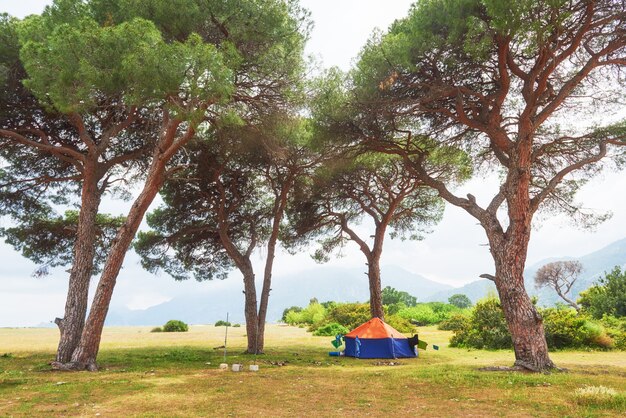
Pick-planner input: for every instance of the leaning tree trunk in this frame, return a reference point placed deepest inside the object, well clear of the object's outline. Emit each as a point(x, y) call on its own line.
point(269, 264)
point(84, 356)
point(376, 297)
point(73, 321)
point(250, 310)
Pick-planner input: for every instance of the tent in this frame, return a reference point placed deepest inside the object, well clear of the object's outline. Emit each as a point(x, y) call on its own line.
point(376, 339)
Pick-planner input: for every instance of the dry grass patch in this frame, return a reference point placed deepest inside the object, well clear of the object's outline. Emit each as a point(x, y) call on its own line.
point(156, 374)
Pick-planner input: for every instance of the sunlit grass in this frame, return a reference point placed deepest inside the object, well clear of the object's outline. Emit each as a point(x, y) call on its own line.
point(176, 374)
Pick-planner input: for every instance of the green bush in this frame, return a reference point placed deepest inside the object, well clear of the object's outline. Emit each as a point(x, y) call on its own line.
point(456, 321)
point(486, 328)
point(608, 297)
point(221, 323)
point(237, 326)
point(287, 310)
point(399, 323)
point(616, 329)
point(156, 329)
point(428, 313)
point(331, 329)
point(565, 328)
point(175, 325)
point(350, 315)
point(312, 314)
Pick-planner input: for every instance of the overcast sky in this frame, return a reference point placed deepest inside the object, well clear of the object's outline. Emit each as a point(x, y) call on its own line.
point(454, 253)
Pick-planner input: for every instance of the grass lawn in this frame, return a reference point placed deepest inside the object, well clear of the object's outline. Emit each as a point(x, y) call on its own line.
point(176, 374)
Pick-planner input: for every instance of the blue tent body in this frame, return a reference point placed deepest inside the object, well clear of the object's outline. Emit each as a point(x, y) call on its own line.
point(376, 339)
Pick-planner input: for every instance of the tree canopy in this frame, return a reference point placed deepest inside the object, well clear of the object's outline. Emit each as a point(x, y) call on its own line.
point(519, 86)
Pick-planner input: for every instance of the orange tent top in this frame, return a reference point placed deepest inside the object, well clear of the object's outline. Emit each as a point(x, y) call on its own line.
point(375, 328)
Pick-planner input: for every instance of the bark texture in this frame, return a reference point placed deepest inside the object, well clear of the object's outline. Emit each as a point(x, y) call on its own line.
point(376, 297)
point(71, 325)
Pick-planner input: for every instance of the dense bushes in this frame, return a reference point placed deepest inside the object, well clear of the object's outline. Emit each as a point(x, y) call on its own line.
point(564, 328)
point(607, 297)
point(485, 328)
point(350, 315)
point(482, 326)
point(428, 313)
point(331, 329)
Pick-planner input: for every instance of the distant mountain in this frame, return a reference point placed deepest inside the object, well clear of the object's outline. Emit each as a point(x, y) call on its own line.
point(323, 283)
point(475, 290)
point(594, 264)
point(342, 285)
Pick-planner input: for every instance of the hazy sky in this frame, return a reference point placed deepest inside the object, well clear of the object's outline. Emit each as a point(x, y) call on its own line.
point(454, 253)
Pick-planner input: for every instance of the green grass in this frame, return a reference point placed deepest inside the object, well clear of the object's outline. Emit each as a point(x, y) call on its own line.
point(162, 374)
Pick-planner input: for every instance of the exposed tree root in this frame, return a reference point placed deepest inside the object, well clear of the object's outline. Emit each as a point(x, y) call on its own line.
point(521, 366)
point(74, 366)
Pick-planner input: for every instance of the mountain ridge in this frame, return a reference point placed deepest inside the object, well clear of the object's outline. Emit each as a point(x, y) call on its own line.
point(346, 285)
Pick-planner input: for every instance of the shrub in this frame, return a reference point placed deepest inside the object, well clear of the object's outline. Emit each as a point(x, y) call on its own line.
point(565, 328)
point(394, 308)
point(156, 329)
point(331, 329)
point(456, 321)
point(287, 310)
point(350, 315)
point(608, 297)
point(428, 313)
point(486, 328)
point(616, 329)
point(312, 314)
point(175, 325)
point(237, 326)
point(399, 323)
point(221, 323)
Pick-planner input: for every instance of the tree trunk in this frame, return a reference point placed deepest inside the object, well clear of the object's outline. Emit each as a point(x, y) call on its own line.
point(250, 310)
point(524, 322)
point(376, 297)
point(84, 356)
point(71, 325)
point(279, 211)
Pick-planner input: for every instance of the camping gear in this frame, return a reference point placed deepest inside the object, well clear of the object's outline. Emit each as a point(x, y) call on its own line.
point(376, 339)
point(334, 353)
point(337, 341)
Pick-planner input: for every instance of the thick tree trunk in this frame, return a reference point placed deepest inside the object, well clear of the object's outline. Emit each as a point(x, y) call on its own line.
point(376, 297)
point(524, 322)
point(84, 356)
point(250, 310)
point(71, 325)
